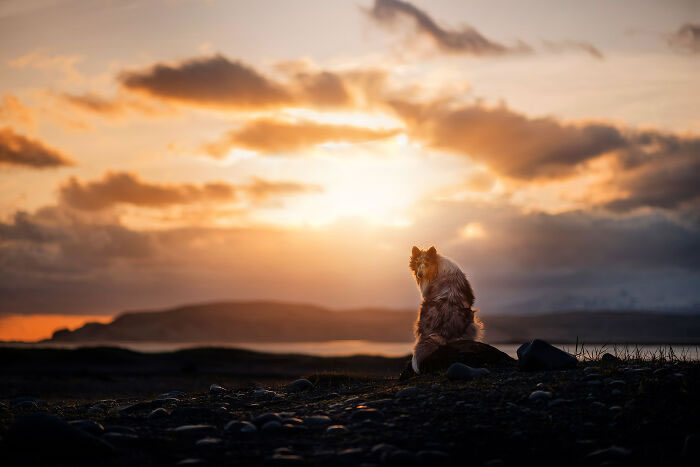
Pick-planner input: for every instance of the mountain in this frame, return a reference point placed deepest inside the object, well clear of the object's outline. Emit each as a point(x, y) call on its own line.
point(284, 322)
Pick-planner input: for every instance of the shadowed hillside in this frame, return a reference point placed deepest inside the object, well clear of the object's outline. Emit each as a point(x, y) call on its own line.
point(283, 322)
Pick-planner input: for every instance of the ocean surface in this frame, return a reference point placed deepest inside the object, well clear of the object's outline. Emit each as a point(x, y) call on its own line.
point(388, 349)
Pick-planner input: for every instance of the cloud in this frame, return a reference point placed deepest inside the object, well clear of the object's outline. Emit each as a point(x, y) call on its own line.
point(127, 188)
point(42, 61)
point(116, 188)
point(19, 150)
point(112, 107)
point(508, 142)
point(465, 40)
point(566, 45)
point(211, 81)
point(687, 38)
point(274, 136)
point(14, 112)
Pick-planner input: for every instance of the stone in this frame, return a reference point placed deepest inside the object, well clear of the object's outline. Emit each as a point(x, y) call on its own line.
point(540, 355)
point(133, 408)
point(267, 417)
point(462, 372)
point(171, 395)
point(192, 461)
point(89, 426)
point(119, 429)
point(300, 385)
point(367, 414)
point(264, 393)
point(47, 436)
point(208, 442)
point(337, 430)
point(216, 389)
point(160, 412)
point(472, 353)
point(284, 460)
point(540, 395)
point(407, 392)
point(235, 426)
point(609, 358)
point(612, 453)
point(191, 431)
point(121, 439)
point(691, 449)
point(318, 420)
point(271, 427)
point(399, 458)
point(192, 413)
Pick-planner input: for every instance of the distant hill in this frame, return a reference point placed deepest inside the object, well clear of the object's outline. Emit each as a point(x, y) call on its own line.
point(283, 322)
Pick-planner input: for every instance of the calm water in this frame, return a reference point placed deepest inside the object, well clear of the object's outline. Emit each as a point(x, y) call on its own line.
point(389, 349)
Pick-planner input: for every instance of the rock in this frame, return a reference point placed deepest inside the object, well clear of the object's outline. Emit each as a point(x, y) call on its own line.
point(367, 414)
point(617, 383)
point(399, 458)
point(121, 439)
point(192, 413)
point(432, 457)
point(540, 355)
point(691, 449)
point(318, 420)
point(472, 353)
point(462, 372)
point(119, 429)
point(46, 436)
point(171, 395)
point(609, 358)
point(558, 402)
point(613, 453)
point(27, 402)
point(235, 426)
point(337, 430)
point(216, 389)
point(208, 442)
point(133, 408)
point(589, 369)
point(264, 394)
point(89, 426)
point(300, 385)
point(192, 461)
point(407, 392)
point(271, 427)
point(284, 460)
point(267, 417)
point(540, 396)
point(191, 431)
point(160, 412)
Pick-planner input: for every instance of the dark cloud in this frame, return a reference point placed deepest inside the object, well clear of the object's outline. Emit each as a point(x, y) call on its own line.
point(212, 81)
point(465, 40)
point(268, 136)
point(566, 45)
point(16, 149)
point(323, 89)
point(508, 142)
point(94, 103)
point(687, 38)
point(127, 188)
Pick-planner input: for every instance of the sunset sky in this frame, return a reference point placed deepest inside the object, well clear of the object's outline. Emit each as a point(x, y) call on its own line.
point(154, 153)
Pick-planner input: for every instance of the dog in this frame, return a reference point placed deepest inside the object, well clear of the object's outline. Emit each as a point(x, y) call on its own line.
point(446, 313)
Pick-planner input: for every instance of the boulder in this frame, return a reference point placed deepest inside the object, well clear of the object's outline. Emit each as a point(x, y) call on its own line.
point(471, 353)
point(541, 355)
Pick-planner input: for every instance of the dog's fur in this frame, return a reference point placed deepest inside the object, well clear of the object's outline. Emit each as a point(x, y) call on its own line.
point(446, 313)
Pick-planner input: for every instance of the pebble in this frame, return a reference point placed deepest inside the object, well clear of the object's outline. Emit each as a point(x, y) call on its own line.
point(194, 430)
point(264, 393)
point(462, 372)
point(351, 454)
point(160, 412)
point(318, 420)
point(407, 392)
point(192, 461)
point(609, 454)
point(300, 385)
point(591, 369)
point(271, 427)
point(284, 460)
point(216, 389)
point(540, 395)
point(89, 426)
point(208, 442)
point(267, 417)
point(337, 430)
point(120, 439)
point(119, 429)
point(367, 414)
point(558, 402)
point(171, 395)
point(55, 437)
point(235, 426)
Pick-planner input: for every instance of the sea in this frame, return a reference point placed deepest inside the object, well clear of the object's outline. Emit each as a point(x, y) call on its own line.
point(338, 348)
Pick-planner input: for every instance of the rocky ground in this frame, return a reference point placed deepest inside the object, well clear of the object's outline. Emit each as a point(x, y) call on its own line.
point(607, 412)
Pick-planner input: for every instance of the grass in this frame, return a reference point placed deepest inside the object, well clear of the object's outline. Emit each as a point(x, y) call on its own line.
point(632, 353)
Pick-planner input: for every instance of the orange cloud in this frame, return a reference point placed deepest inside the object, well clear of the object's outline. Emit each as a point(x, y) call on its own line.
point(13, 111)
point(16, 149)
point(268, 136)
point(127, 188)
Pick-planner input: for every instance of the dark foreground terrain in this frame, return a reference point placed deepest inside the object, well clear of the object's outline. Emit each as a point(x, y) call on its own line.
point(133, 409)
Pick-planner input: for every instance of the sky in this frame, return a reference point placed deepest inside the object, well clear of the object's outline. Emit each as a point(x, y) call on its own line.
point(160, 152)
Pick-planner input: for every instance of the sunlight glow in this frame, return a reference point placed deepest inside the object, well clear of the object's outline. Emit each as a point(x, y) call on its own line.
point(472, 230)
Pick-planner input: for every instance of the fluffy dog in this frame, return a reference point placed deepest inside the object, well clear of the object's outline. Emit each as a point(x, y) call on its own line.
point(446, 313)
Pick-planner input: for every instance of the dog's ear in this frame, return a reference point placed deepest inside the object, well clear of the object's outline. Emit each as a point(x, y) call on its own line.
point(432, 252)
point(415, 252)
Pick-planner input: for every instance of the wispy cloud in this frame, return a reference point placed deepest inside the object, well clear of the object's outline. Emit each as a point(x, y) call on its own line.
point(274, 136)
point(18, 150)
